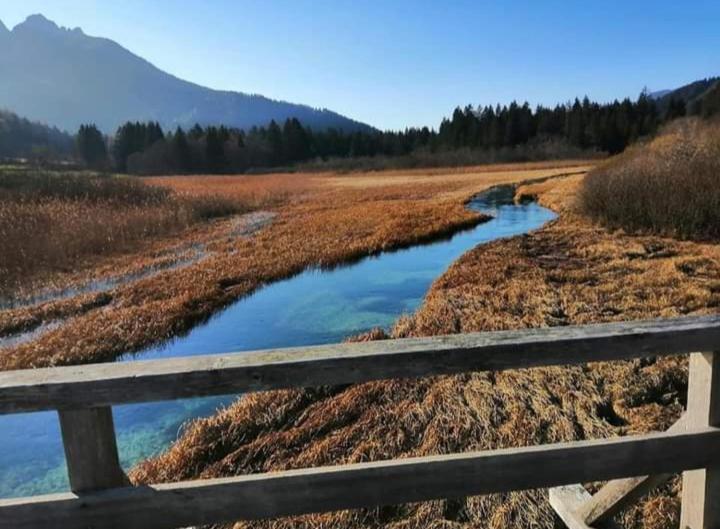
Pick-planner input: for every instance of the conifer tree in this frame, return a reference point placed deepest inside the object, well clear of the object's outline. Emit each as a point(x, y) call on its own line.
point(295, 141)
point(180, 151)
point(214, 150)
point(275, 142)
point(91, 146)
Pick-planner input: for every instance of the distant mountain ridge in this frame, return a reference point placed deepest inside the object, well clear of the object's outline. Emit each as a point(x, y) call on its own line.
point(20, 138)
point(691, 94)
point(65, 78)
point(658, 94)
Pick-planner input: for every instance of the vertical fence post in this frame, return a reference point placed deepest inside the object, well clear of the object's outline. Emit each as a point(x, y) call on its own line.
point(90, 449)
point(701, 488)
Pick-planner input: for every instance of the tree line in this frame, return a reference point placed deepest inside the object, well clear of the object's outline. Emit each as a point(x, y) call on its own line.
point(21, 138)
point(601, 127)
point(144, 148)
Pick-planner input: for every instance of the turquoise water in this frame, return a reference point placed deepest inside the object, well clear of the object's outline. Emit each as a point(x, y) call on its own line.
point(314, 307)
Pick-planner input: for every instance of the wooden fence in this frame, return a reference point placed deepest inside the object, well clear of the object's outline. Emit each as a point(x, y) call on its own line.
point(101, 496)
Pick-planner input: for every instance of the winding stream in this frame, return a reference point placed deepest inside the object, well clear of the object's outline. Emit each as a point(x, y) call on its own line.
point(314, 307)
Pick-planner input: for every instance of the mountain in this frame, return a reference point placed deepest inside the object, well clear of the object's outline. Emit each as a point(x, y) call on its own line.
point(20, 138)
point(65, 78)
point(692, 94)
point(658, 94)
point(709, 102)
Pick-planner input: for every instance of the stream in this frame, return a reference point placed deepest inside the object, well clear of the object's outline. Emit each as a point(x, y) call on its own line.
point(314, 307)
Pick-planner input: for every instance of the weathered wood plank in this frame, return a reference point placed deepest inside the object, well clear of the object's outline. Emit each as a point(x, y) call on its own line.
point(91, 450)
point(566, 500)
point(701, 488)
point(124, 382)
point(363, 485)
point(618, 494)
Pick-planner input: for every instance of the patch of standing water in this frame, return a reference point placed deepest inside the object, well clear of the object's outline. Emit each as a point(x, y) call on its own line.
point(17, 339)
point(106, 284)
point(243, 226)
point(313, 307)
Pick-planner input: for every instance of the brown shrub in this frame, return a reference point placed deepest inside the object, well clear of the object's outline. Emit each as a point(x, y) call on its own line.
point(671, 186)
point(54, 221)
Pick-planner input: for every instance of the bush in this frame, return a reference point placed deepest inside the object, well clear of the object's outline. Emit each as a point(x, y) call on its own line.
point(669, 186)
point(57, 222)
point(33, 185)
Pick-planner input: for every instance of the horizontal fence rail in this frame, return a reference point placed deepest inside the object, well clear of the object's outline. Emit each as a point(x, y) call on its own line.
point(102, 498)
point(353, 486)
point(152, 380)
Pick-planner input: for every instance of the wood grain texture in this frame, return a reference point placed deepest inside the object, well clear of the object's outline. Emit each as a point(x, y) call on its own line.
point(566, 500)
point(108, 384)
point(91, 450)
point(701, 488)
point(615, 495)
point(363, 485)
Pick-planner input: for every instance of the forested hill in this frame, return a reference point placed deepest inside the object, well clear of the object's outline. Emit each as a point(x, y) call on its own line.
point(66, 78)
point(511, 131)
point(20, 138)
point(693, 96)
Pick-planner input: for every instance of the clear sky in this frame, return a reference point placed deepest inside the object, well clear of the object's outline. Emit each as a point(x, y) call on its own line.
point(408, 62)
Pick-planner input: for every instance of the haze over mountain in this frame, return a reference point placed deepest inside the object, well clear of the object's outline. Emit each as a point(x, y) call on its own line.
point(689, 93)
point(658, 94)
point(20, 138)
point(65, 78)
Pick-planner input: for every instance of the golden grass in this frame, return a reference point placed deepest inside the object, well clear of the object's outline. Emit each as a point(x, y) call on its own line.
point(671, 186)
point(253, 191)
point(318, 224)
point(63, 224)
point(55, 234)
point(57, 243)
point(491, 174)
point(569, 272)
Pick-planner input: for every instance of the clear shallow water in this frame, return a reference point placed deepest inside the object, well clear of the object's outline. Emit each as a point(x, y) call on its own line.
point(314, 307)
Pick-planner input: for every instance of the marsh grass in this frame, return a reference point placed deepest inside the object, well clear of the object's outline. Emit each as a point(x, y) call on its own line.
point(251, 192)
point(670, 186)
point(321, 222)
point(53, 222)
point(569, 272)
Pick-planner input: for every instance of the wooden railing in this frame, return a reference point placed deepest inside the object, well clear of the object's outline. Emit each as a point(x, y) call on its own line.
point(101, 497)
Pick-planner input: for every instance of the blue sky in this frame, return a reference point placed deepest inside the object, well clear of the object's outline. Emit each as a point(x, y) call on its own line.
point(408, 62)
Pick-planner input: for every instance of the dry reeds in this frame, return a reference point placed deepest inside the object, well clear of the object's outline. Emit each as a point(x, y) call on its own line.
point(251, 192)
point(53, 222)
point(670, 186)
point(320, 223)
point(570, 272)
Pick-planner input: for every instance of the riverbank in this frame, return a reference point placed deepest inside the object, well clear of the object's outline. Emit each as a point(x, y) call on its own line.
point(331, 220)
point(569, 272)
point(314, 307)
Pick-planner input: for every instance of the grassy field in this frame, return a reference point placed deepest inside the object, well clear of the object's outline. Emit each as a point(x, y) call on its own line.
point(55, 224)
point(323, 220)
point(667, 187)
point(571, 271)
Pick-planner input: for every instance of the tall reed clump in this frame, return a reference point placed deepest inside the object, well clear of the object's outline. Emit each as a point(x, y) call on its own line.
point(250, 192)
point(670, 186)
point(53, 222)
